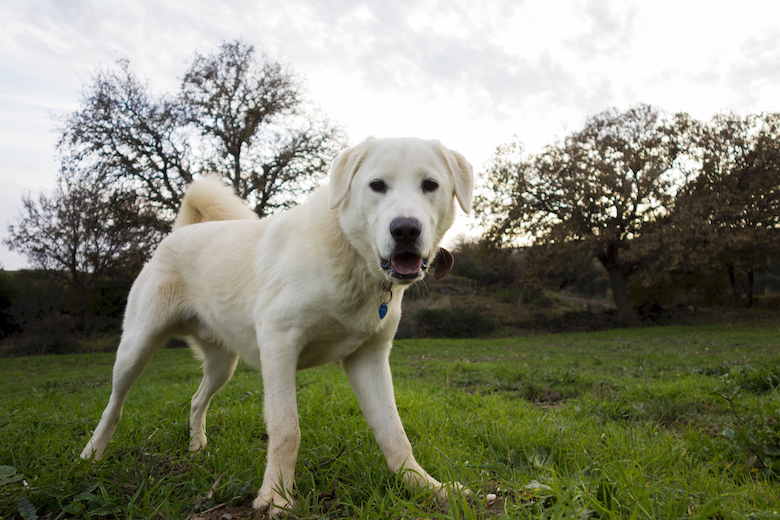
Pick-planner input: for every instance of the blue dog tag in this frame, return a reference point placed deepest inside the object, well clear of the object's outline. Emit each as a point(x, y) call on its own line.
point(382, 310)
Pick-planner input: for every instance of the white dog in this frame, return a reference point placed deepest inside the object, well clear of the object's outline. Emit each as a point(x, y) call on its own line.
point(320, 283)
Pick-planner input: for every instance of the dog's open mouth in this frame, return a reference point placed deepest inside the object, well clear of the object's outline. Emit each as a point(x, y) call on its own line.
point(409, 265)
point(404, 266)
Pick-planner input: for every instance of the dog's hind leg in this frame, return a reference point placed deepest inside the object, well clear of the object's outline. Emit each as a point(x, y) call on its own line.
point(218, 367)
point(135, 351)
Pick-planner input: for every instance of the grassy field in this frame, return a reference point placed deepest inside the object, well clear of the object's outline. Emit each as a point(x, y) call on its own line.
point(654, 423)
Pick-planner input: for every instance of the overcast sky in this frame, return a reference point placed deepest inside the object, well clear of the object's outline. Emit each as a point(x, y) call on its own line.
point(471, 74)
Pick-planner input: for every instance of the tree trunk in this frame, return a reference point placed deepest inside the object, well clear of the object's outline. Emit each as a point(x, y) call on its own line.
point(82, 290)
point(750, 288)
point(617, 282)
point(735, 286)
point(81, 326)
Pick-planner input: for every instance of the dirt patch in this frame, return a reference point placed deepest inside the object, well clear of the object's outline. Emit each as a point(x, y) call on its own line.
point(224, 512)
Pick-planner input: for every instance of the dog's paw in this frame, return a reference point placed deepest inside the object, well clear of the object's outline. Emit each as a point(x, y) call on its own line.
point(86, 453)
point(197, 441)
point(91, 451)
point(271, 502)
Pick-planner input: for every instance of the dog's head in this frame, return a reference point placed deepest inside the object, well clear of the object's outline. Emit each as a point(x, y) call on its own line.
point(396, 199)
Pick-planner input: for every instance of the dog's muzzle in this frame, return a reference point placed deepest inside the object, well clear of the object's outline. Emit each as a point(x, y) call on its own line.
point(408, 266)
point(404, 265)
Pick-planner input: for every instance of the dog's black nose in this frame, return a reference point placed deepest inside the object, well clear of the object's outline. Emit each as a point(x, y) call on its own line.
point(405, 230)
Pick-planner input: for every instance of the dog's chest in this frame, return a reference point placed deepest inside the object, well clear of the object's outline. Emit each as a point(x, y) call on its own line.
point(330, 340)
point(323, 350)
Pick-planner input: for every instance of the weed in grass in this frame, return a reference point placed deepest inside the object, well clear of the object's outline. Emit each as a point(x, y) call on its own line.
point(756, 434)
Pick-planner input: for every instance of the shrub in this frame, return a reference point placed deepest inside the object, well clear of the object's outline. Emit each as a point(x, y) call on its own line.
point(508, 295)
point(536, 297)
point(454, 322)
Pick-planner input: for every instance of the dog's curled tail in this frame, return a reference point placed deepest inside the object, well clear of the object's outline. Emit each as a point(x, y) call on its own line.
point(210, 199)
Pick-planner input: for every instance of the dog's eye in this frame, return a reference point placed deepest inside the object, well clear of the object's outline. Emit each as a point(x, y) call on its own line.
point(429, 185)
point(378, 186)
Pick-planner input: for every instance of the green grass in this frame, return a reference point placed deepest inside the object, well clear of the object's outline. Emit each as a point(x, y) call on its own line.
point(675, 422)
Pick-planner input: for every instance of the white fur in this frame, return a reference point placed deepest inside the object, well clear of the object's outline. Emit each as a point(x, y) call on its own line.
point(292, 291)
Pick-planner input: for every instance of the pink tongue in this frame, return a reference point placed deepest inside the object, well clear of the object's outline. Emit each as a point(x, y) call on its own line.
point(407, 264)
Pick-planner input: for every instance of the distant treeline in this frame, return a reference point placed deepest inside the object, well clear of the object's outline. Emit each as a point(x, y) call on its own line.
point(40, 314)
point(488, 291)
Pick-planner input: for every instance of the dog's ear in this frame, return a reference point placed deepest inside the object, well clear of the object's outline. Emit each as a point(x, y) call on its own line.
point(462, 176)
point(343, 170)
point(444, 263)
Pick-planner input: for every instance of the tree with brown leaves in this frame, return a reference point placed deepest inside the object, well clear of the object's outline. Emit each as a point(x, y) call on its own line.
point(593, 192)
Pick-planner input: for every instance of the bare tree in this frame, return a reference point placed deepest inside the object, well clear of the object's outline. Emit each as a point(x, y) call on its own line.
point(243, 118)
point(83, 231)
point(128, 137)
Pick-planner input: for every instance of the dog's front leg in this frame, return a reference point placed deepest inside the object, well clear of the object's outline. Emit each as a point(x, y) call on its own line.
point(369, 375)
point(284, 435)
